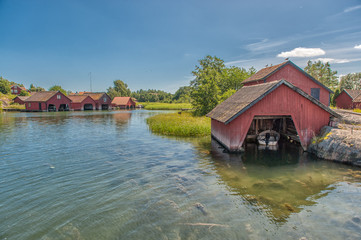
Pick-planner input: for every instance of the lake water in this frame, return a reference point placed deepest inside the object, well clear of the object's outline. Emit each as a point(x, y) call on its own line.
point(104, 175)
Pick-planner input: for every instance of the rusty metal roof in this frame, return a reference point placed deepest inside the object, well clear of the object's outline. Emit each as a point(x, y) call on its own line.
point(247, 96)
point(41, 96)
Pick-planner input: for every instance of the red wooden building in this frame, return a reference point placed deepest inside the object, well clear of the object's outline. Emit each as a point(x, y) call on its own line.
point(82, 102)
point(276, 105)
point(102, 100)
point(295, 75)
point(123, 102)
point(16, 89)
point(20, 99)
point(349, 99)
point(47, 101)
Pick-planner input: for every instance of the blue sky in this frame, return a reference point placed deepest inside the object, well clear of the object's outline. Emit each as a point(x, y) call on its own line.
point(156, 44)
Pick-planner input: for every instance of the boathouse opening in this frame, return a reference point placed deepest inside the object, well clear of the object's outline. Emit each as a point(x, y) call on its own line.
point(51, 108)
point(63, 107)
point(88, 107)
point(284, 125)
point(105, 106)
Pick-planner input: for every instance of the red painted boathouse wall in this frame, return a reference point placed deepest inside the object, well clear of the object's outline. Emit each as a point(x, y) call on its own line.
point(80, 106)
point(299, 79)
point(307, 117)
point(34, 106)
point(344, 101)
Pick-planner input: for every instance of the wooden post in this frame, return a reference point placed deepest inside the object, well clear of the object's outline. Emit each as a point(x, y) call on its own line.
point(284, 125)
point(256, 126)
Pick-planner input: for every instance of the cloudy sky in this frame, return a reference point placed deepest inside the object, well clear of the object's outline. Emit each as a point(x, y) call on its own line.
point(156, 44)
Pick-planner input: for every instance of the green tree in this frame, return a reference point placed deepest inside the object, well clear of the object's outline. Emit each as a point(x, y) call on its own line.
point(205, 91)
point(182, 94)
point(5, 86)
point(120, 89)
point(214, 82)
point(36, 89)
point(334, 96)
point(24, 93)
point(323, 73)
point(57, 88)
point(350, 81)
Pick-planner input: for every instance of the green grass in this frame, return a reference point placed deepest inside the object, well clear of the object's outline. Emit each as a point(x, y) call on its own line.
point(165, 106)
point(180, 125)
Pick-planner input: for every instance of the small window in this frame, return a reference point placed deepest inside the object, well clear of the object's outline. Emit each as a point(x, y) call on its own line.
point(58, 96)
point(105, 99)
point(15, 91)
point(315, 92)
point(29, 104)
point(12, 91)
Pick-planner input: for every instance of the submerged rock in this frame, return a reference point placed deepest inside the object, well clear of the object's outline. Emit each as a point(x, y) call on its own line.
point(201, 208)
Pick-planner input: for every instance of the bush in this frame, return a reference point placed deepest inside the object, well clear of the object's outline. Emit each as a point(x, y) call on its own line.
point(5, 87)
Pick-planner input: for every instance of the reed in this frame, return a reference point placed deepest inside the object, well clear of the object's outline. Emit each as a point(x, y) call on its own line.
point(357, 110)
point(181, 125)
point(165, 106)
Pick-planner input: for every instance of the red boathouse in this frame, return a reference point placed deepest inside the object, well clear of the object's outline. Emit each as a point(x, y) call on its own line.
point(277, 104)
point(20, 99)
point(123, 102)
point(82, 102)
point(102, 100)
point(296, 76)
point(349, 99)
point(47, 101)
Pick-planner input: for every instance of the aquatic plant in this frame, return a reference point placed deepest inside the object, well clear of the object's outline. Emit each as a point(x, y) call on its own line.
point(182, 125)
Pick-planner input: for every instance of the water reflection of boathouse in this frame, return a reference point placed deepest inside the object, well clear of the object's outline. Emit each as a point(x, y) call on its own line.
point(283, 98)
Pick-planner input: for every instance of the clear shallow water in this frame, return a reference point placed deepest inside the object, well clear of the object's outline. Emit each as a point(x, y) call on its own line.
point(103, 175)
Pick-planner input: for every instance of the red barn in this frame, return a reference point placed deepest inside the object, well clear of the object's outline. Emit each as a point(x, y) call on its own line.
point(102, 100)
point(16, 89)
point(47, 101)
point(20, 99)
point(269, 103)
point(123, 102)
point(296, 76)
point(82, 102)
point(349, 99)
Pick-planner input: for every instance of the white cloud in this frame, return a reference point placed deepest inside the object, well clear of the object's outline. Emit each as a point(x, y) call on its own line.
point(358, 46)
point(303, 52)
point(332, 60)
point(350, 9)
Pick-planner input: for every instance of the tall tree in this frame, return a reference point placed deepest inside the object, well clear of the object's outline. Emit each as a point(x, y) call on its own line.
point(5, 87)
point(323, 73)
point(182, 94)
point(351, 81)
point(58, 88)
point(120, 89)
point(36, 89)
point(214, 82)
point(205, 87)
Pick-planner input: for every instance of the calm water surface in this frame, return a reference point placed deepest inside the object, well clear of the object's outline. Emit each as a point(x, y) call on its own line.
point(103, 175)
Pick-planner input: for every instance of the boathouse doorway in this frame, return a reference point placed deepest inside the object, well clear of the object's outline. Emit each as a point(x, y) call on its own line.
point(51, 108)
point(105, 106)
point(284, 125)
point(88, 107)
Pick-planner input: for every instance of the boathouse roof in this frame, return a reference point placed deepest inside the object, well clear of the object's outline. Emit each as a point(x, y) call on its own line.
point(43, 96)
point(354, 94)
point(77, 98)
point(264, 73)
point(22, 98)
point(121, 100)
point(248, 96)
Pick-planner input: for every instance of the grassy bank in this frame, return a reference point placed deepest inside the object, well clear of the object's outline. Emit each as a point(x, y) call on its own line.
point(181, 125)
point(165, 106)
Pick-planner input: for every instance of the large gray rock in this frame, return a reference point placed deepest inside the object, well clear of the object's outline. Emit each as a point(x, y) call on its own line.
point(338, 144)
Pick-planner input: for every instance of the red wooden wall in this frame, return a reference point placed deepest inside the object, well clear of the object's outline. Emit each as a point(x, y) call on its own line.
point(34, 106)
point(307, 117)
point(80, 106)
point(300, 80)
point(344, 101)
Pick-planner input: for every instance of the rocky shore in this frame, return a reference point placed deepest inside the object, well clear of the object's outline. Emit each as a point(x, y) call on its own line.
point(341, 143)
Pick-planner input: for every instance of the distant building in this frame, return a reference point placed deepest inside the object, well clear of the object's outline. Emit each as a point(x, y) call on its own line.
point(102, 100)
point(82, 102)
point(47, 101)
point(123, 102)
point(349, 99)
point(16, 89)
point(20, 99)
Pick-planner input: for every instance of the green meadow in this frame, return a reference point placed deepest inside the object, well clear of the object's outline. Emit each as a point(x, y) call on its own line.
point(165, 106)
